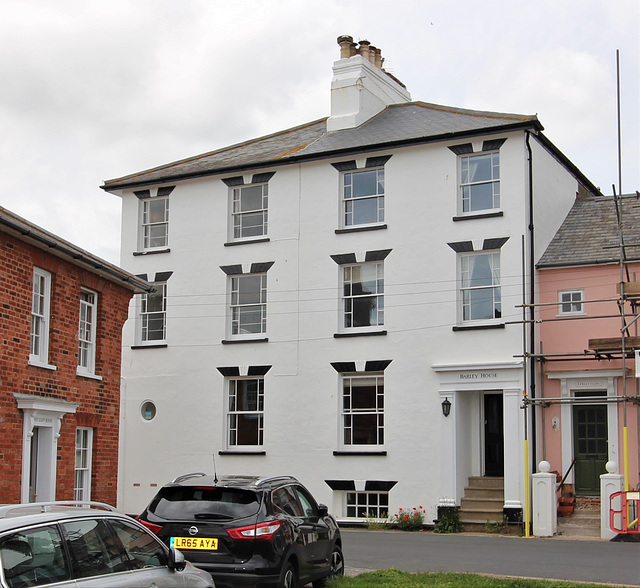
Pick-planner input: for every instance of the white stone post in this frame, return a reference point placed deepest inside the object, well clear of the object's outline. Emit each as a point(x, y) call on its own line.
point(545, 510)
point(609, 484)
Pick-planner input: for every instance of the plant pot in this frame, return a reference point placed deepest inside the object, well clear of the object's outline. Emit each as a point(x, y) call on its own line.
point(565, 510)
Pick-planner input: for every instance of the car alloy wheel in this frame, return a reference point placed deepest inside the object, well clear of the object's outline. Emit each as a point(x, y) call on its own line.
point(337, 563)
point(336, 568)
point(288, 579)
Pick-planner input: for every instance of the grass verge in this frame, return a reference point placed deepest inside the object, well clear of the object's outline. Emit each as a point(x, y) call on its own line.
point(396, 578)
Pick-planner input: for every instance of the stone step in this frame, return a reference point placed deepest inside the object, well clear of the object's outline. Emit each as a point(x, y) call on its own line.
point(481, 515)
point(473, 492)
point(567, 528)
point(485, 482)
point(480, 503)
point(582, 523)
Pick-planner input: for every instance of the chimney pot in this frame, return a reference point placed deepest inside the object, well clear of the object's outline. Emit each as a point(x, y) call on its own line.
point(346, 43)
point(379, 58)
point(364, 49)
point(372, 54)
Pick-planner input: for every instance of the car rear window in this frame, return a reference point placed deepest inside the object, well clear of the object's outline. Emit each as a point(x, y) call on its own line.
point(204, 503)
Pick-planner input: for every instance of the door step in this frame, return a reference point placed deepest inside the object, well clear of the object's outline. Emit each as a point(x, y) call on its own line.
point(483, 503)
point(584, 521)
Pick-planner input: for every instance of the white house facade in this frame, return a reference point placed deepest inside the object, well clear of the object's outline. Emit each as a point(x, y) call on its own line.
point(322, 291)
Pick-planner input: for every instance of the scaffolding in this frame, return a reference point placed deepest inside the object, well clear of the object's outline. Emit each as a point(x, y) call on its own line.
point(621, 349)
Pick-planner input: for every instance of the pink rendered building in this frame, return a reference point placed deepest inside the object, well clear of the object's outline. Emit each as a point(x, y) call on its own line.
point(585, 376)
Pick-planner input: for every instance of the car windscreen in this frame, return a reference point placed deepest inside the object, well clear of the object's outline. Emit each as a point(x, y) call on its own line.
point(204, 503)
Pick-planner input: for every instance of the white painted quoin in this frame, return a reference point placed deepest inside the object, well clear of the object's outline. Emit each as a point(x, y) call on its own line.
point(301, 238)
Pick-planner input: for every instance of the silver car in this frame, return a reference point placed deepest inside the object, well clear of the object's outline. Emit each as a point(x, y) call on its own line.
point(86, 545)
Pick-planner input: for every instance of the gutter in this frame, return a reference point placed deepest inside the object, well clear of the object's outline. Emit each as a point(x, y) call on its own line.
point(532, 295)
point(28, 231)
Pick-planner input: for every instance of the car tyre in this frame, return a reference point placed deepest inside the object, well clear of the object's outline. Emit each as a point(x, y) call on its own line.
point(336, 567)
point(288, 577)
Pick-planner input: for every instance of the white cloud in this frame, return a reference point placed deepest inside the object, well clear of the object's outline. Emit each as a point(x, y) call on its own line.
point(97, 89)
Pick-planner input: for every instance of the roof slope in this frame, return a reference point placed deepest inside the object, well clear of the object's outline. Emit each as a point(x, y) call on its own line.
point(397, 124)
point(590, 234)
point(26, 231)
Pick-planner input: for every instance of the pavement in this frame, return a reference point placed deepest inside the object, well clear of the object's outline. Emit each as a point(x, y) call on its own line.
point(613, 563)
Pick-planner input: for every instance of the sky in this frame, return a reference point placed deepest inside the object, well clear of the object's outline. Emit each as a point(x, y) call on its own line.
point(96, 89)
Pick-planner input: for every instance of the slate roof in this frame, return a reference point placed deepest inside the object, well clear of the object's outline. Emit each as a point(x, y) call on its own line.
point(398, 124)
point(589, 235)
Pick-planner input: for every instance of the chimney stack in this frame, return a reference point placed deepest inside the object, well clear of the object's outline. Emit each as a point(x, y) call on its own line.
point(361, 88)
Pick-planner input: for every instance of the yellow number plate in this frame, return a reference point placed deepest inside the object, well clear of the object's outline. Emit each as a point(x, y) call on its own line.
point(208, 543)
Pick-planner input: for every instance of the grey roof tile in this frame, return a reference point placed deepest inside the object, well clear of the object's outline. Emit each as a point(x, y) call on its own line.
point(396, 124)
point(590, 234)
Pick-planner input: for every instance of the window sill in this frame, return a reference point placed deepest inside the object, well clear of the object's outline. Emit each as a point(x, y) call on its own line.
point(232, 452)
point(246, 241)
point(152, 251)
point(478, 327)
point(360, 334)
point(378, 453)
point(89, 375)
point(476, 216)
point(44, 366)
point(360, 229)
point(152, 346)
point(234, 341)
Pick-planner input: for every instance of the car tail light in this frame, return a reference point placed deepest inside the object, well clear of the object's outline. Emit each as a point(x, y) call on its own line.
point(262, 531)
point(154, 528)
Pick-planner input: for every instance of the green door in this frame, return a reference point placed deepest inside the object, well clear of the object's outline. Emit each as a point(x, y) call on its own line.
point(590, 438)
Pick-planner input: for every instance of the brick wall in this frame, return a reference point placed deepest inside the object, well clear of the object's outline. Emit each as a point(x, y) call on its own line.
point(98, 399)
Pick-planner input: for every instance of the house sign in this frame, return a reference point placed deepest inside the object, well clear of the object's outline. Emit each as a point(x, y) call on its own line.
point(479, 376)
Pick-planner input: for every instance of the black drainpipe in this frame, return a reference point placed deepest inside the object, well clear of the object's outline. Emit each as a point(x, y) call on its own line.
point(532, 292)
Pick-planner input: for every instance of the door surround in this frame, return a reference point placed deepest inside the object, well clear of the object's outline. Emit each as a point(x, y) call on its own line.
point(45, 413)
point(582, 381)
point(459, 456)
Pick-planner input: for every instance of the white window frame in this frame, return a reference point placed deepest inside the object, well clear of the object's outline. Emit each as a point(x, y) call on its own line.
point(350, 413)
point(83, 464)
point(366, 504)
point(238, 231)
point(467, 185)
point(146, 315)
point(351, 298)
point(571, 302)
point(148, 225)
point(40, 318)
point(87, 327)
point(466, 289)
point(234, 414)
point(349, 202)
point(239, 308)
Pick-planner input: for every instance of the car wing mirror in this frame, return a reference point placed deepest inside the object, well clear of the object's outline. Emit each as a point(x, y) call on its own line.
point(323, 510)
point(176, 560)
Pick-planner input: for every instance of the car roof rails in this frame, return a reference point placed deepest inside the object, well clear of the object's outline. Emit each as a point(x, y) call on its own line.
point(187, 476)
point(271, 479)
point(27, 508)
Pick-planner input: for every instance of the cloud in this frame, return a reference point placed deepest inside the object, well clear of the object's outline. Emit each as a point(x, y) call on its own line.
point(95, 90)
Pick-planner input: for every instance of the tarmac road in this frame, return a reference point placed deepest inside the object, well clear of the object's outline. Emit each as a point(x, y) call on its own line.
point(554, 558)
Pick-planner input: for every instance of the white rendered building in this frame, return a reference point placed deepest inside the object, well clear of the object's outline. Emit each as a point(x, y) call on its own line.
point(322, 291)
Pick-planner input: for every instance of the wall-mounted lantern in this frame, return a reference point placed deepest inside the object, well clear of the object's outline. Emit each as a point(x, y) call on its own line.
point(446, 407)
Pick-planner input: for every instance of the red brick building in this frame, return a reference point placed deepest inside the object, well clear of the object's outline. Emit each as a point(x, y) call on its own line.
point(61, 315)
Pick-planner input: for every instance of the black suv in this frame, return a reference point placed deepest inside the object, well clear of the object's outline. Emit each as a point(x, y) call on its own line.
point(248, 531)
